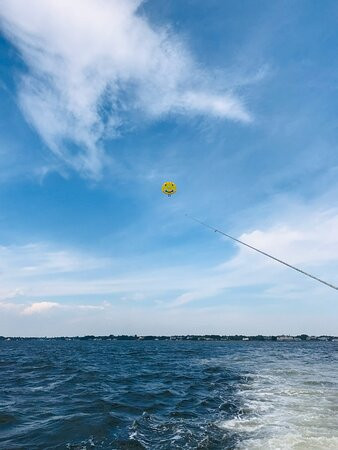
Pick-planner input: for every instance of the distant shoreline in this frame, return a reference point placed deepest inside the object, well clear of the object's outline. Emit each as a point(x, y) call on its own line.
point(188, 337)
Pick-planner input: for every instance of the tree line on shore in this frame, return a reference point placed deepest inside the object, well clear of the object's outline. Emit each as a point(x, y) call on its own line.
point(204, 337)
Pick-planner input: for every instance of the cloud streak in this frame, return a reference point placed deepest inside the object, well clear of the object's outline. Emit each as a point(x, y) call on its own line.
point(95, 66)
point(80, 289)
point(39, 271)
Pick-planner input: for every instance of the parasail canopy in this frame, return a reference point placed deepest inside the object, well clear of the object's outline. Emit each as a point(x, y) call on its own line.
point(169, 188)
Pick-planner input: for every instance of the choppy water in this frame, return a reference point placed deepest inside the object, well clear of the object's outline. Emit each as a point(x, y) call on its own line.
point(168, 395)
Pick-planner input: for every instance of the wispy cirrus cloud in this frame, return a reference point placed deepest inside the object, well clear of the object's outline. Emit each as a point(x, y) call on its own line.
point(95, 65)
point(25, 268)
point(38, 259)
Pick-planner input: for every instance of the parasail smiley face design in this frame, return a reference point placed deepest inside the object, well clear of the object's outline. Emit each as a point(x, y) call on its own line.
point(169, 188)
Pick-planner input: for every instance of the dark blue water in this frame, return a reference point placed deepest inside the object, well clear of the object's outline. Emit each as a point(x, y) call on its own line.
point(168, 395)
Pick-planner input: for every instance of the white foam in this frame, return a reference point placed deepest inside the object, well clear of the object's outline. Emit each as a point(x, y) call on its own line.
point(288, 405)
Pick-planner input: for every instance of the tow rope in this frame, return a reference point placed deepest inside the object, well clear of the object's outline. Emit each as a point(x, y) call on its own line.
point(262, 253)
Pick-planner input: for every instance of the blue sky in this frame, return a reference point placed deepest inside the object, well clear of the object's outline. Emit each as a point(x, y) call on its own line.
point(101, 101)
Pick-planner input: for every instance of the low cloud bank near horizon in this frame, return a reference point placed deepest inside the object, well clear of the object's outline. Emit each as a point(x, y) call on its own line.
point(105, 319)
point(33, 284)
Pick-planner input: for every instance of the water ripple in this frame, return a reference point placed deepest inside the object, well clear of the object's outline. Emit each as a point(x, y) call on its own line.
point(82, 395)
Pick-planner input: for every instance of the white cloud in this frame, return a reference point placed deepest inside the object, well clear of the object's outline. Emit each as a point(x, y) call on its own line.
point(216, 105)
point(94, 64)
point(202, 293)
point(39, 307)
point(7, 306)
point(309, 240)
point(37, 259)
point(225, 319)
point(44, 306)
point(26, 270)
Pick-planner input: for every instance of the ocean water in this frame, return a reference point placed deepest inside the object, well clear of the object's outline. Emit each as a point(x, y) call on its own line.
point(168, 395)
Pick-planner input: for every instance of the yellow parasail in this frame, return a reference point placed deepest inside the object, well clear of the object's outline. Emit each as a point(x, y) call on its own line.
point(169, 188)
